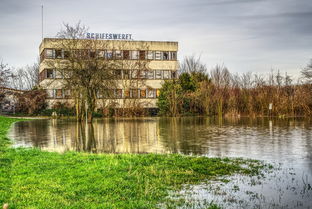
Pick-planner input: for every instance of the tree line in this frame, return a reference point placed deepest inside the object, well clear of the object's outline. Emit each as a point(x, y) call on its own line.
point(218, 92)
point(197, 91)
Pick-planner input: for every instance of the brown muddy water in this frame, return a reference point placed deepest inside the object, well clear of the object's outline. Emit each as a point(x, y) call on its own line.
point(286, 144)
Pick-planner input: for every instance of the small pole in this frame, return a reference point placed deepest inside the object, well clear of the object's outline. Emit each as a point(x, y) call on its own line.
point(270, 110)
point(42, 21)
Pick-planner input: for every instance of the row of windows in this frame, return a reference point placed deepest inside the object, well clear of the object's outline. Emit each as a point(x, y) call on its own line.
point(119, 74)
point(109, 93)
point(58, 93)
point(109, 54)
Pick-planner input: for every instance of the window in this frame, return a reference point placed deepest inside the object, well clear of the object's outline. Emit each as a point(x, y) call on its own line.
point(142, 55)
point(150, 93)
point(80, 53)
point(49, 53)
point(143, 93)
point(58, 74)
point(142, 74)
point(118, 54)
point(150, 55)
point(92, 54)
point(118, 93)
point(134, 93)
point(58, 54)
point(134, 55)
point(167, 74)
point(41, 75)
point(50, 73)
point(59, 93)
point(134, 74)
point(173, 55)
point(127, 93)
point(67, 73)
point(158, 55)
point(150, 74)
point(158, 74)
point(126, 55)
point(109, 54)
point(101, 54)
point(107, 93)
point(126, 74)
point(173, 74)
point(118, 74)
point(76, 53)
point(110, 74)
point(66, 54)
point(67, 93)
point(99, 95)
point(165, 55)
point(157, 93)
point(50, 93)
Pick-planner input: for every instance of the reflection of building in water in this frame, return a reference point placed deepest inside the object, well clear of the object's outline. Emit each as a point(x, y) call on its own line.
point(108, 135)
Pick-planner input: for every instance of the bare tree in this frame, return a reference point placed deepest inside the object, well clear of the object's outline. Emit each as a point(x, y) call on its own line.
point(5, 74)
point(25, 78)
point(77, 31)
point(221, 78)
point(192, 64)
point(307, 73)
point(32, 75)
point(85, 76)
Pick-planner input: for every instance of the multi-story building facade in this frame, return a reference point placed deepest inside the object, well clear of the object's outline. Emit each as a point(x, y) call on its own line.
point(160, 58)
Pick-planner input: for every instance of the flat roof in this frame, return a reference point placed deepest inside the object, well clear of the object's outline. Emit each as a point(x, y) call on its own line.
point(156, 45)
point(116, 40)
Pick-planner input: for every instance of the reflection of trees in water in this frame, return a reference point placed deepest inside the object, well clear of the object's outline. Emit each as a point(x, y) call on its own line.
point(31, 132)
point(197, 135)
point(203, 135)
point(116, 135)
point(85, 139)
point(182, 134)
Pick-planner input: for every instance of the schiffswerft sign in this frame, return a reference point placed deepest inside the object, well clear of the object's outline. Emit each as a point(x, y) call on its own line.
point(109, 36)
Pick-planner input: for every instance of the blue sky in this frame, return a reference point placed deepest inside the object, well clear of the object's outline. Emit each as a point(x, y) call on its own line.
point(244, 35)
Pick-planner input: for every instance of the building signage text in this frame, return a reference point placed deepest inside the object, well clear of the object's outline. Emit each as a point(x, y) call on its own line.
point(109, 36)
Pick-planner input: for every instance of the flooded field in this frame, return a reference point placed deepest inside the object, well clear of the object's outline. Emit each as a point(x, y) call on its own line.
point(286, 144)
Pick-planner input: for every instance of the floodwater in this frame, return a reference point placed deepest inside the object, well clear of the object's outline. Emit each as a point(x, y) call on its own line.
point(285, 143)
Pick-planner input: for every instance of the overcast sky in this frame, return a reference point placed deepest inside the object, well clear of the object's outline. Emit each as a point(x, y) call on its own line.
point(244, 35)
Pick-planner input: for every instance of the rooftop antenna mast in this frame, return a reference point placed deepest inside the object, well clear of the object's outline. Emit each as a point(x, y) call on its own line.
point(42, 20)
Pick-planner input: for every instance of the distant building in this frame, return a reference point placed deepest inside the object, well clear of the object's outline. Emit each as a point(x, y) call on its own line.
point(160, 55)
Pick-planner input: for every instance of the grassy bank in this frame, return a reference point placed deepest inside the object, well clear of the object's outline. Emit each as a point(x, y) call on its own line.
point(30, 178)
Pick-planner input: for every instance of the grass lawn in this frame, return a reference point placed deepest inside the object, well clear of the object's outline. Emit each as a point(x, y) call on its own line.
point(30, 178)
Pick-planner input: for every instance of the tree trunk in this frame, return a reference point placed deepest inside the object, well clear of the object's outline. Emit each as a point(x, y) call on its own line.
point(220, 104)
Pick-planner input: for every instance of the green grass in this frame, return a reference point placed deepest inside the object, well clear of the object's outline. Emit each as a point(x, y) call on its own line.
point(30, 178)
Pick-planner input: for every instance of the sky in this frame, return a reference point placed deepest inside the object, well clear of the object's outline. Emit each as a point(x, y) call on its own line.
point(243, 35)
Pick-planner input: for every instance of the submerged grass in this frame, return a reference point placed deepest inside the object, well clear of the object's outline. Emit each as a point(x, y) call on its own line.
point(31, 178)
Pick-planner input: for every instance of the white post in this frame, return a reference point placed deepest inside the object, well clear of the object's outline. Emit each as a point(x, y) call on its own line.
point(270, 109)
